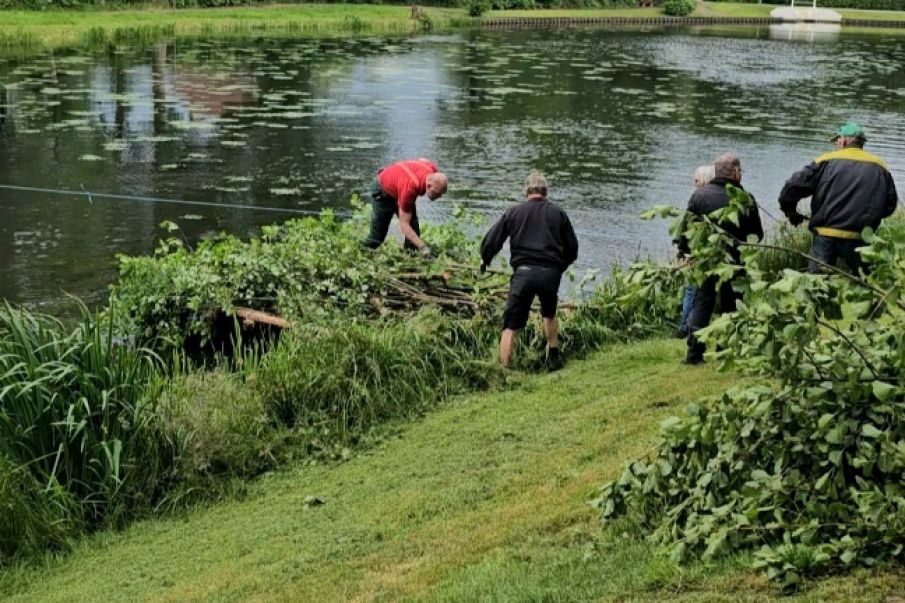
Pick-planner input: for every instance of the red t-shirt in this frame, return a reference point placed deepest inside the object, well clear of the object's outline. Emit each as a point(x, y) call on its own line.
point(405, 181)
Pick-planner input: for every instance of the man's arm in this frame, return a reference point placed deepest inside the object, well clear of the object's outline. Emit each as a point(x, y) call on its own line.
point(405, 226)
point(494, 239)
point(755, 226)
point(570, 241)
point(892, 197)
point(682, 241)
point(801, 184)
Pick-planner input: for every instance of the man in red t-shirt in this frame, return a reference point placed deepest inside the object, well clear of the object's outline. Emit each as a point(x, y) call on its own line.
point(394, 193)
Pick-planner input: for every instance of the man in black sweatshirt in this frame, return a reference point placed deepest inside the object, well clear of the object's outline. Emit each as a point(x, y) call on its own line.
point(704, 201)
point(542, 245)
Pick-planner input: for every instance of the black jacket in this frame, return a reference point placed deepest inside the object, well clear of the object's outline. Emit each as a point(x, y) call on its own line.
point(713, 196)
point(850, 189)
point(539, 234)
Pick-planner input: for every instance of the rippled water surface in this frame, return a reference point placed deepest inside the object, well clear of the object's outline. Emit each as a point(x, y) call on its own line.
point(618, 120)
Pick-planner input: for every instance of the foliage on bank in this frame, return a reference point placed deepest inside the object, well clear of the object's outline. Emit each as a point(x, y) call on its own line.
point(678, 8)
point(807, 467)
point(109, 420)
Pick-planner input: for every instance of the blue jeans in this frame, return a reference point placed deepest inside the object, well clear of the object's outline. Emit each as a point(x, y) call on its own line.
point(687, 303)
point(831, 250)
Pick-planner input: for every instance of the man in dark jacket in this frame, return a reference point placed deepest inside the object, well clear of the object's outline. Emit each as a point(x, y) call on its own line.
point(705, 200)
point(542, 245)
point(850, 189)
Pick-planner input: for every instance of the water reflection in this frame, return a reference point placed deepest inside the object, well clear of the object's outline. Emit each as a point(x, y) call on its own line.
point(805, 32)
point(618, 119)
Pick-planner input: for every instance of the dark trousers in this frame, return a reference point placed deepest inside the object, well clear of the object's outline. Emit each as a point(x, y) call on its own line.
point(830, 250)
point(702, 310)
point(383, 208)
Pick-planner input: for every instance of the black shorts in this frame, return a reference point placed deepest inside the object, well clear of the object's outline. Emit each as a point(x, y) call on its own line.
point(528, 281)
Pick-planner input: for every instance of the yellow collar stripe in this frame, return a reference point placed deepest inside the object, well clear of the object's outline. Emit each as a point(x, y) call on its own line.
point(852, 154)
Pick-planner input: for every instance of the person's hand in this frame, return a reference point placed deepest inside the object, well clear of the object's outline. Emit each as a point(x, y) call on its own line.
point(425, 252)
point(796, 219)
point(483, 267)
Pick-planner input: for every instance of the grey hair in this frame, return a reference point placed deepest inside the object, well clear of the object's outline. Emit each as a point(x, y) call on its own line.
point(535, 183)
point(855, 141)
point(704, 174)
point(725, 165)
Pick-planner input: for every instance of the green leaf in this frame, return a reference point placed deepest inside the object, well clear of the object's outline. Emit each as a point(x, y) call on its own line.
point(884, 391)
point(870, 431)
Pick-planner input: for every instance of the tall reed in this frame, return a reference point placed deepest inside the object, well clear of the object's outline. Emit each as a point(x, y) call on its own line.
point(76, 412)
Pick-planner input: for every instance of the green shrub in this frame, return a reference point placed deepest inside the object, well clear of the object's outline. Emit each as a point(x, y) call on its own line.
point(678, 8)
point(513, 4)
point(805, 468)
point(476, 8)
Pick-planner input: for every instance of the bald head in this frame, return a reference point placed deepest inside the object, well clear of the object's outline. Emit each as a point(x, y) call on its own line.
point(435, 185)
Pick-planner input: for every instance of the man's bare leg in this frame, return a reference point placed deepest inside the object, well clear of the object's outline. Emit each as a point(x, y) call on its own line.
point(507, 342)
point(551, 330)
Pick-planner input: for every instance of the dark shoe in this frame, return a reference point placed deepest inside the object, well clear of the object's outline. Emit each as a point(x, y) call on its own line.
point(554, 361)
point(692, 360)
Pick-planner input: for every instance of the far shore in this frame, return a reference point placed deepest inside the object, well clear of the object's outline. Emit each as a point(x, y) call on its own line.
point(26, 31)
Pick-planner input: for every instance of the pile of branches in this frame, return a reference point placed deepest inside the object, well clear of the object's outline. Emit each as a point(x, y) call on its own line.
point(454, 291)
point(304, 270)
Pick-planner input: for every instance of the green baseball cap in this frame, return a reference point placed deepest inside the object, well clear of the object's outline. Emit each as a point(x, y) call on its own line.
point(849, 130)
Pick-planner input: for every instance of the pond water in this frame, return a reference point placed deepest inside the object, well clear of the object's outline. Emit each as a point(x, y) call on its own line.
point(617, 119)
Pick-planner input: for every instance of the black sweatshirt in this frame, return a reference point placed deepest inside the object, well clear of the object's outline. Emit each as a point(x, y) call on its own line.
point(539, 234)
point(713, 196)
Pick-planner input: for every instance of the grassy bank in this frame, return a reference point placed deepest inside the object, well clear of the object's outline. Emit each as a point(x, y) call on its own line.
point(52, 29)
point(31, 31)
point(727, 9)
point(485, 499)
point(704, 9)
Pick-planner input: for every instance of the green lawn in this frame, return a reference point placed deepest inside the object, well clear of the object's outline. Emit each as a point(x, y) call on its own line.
point(66, 27)
point(482, 500)
point(726, 9)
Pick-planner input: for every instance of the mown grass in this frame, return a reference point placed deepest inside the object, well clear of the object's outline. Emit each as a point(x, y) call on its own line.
point(729, 9)
point(53, 29)
point(485, 499)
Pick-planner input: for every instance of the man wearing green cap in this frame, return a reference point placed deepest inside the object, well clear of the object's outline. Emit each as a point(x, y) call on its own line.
point(850, 189)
